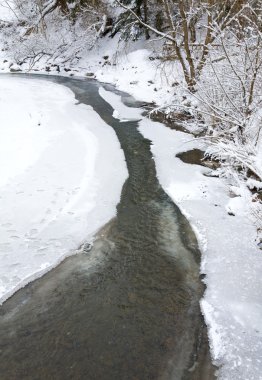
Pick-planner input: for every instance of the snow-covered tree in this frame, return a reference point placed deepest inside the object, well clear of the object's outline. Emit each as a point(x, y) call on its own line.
point(55, 29)
point(191, 28)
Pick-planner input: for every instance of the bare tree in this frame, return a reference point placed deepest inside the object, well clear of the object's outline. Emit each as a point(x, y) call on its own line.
point(229, 101)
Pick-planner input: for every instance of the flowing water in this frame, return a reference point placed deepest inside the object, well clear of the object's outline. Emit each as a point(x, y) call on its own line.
point(129, 308)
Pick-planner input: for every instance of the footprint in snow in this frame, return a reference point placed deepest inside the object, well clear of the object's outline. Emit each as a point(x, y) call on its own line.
point(6, 225)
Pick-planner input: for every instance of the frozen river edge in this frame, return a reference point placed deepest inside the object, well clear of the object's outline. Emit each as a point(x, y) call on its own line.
point(61, 176)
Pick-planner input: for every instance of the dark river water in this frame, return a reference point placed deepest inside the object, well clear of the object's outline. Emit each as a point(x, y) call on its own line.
point(129, 308)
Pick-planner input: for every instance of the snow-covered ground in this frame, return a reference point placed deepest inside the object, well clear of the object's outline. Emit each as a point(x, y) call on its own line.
point(232, 304)
point(6, 13)
point(61, 175)
point(134, 71)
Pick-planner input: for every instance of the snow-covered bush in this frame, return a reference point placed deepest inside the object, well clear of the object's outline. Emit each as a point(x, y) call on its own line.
point(229, 98)
point(48, 29)
point(229, 101)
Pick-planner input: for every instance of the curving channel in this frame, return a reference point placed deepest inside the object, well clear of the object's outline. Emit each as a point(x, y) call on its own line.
point(129, 308)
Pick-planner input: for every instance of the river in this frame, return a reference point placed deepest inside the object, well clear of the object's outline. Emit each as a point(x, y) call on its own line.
point(129, 308)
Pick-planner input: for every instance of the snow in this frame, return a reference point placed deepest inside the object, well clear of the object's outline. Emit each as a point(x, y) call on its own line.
point(137, 75)
point(138, 72)
point(253, 184)
point(61, 175)
point(121, 111)
point(135, 70)
point(6, 13)
point(232, 304)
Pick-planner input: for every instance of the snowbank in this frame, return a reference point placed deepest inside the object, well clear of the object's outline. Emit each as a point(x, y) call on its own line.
point(61, 175)
point(135, 70)
point(139, 74)
point(232, 304)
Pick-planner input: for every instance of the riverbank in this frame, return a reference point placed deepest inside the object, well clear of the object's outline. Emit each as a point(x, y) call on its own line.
point(231, 261)
point(61, 176)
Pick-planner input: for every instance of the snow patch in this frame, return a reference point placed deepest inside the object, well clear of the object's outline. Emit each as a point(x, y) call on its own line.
point(121, 111)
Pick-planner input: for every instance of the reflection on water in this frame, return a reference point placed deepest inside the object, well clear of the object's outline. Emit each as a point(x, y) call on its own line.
point(129, 308)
